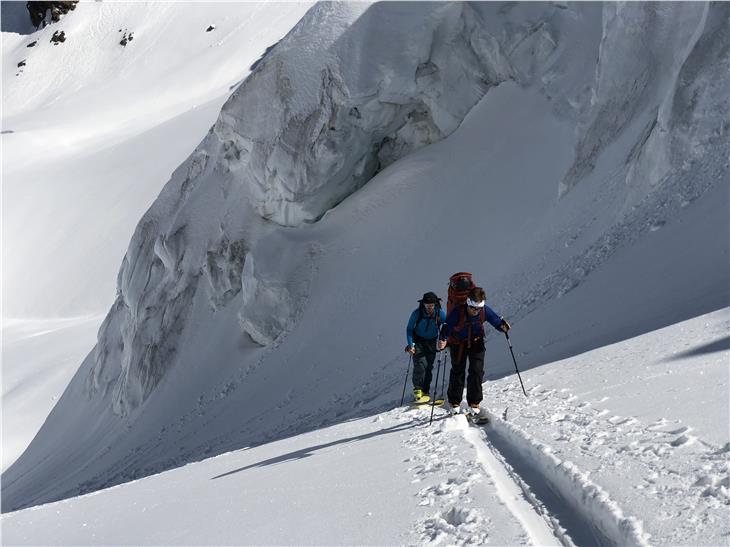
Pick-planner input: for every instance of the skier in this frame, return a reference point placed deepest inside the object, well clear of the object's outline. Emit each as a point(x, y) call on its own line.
point(464, 333)
point(422, 334)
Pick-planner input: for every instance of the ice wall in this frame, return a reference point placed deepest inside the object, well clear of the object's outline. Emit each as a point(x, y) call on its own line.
point(648, 50)
point(351, 89)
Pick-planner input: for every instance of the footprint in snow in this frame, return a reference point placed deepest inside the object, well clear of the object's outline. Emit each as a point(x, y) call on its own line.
point(683, 440)
point(457, 526)
point(622, 420)
point(454, 488)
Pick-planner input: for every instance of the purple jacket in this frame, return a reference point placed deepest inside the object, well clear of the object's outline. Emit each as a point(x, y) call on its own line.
point(472, 327)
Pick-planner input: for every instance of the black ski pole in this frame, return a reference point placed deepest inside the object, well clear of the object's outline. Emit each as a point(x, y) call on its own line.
point(410, 358)
point(436, 387)
point(443, 378)
point(515, 361)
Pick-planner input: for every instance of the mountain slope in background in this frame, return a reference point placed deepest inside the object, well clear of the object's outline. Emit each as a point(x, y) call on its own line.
point(176, 375)
point(92, 129)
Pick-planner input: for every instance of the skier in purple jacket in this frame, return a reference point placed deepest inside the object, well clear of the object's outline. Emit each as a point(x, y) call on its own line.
point(463, 332)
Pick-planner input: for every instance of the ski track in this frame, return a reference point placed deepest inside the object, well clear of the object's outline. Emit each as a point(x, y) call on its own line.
point(531, 514)
point(612, 446)
point(551, 497)
point(584, 507)
point(454, 464)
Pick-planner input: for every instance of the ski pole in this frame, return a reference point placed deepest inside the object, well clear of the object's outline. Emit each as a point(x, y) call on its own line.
point(443, 378)
point(436, 387)
point(410, 358)
point(515, 361)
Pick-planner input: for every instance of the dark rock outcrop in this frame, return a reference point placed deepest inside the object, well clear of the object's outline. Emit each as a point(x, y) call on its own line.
point(126, 38)
point(39, 12)
point(58, 37)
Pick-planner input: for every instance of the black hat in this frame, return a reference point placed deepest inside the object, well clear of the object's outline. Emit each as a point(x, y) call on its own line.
point(430, 298)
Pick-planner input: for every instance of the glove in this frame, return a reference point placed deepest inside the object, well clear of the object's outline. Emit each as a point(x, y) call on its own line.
point(504, 326)
point(411, 349)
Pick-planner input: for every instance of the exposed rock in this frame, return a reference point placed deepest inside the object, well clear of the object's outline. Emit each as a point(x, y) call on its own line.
point(58, 37)
point(21, 63)
point(33, 43)
point(40, 11)
point(126, 38)
point(210, 27)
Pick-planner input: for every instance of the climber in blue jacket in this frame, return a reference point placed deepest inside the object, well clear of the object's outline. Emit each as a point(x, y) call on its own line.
point(422, 335)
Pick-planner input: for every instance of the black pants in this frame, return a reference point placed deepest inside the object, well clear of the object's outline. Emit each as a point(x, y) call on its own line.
point(423, 363)
point(460, 354)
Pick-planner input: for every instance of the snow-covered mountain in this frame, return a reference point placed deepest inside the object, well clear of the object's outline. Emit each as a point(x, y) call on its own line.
point(92, 130)
point(573, 156)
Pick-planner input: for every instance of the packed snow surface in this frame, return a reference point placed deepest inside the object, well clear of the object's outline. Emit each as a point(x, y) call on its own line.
point(604, 450)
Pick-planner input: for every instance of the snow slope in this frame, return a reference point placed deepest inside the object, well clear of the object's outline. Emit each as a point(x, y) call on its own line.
point(604, 450)
point(92, 129)
point(39, 358)
point(607, 261)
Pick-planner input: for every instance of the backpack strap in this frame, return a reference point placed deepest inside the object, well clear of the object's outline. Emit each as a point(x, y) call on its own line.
point(437, 311)
point(420, 316)
point(462, 320)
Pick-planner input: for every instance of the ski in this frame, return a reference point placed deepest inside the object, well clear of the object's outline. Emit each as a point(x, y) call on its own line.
point(427, 402)
point(477, 419)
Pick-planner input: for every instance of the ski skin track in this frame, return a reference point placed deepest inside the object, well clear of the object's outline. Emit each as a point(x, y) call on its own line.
point(592, 501)
point(538, 530)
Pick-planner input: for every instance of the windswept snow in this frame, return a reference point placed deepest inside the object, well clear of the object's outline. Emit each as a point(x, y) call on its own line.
point(258, 325)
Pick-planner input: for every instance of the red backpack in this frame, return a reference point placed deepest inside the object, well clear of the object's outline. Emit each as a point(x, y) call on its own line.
point(459, 286)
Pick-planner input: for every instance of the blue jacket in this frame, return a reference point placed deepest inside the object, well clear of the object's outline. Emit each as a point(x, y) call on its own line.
point(473, 325)
point(427, 327)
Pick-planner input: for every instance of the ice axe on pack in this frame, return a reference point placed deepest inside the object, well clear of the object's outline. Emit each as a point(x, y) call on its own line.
point(506, 334)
